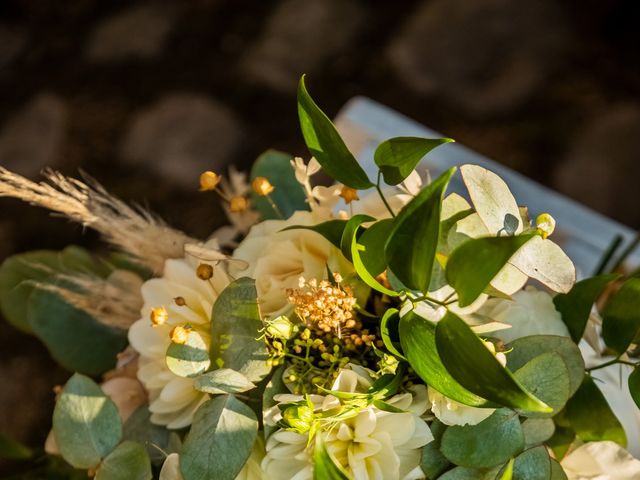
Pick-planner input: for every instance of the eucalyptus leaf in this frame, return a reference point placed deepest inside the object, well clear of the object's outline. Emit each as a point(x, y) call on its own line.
point(411, 248)
point(546, 377)
point(220, 440)
point(477, 369)
point(156, 438)
point(325, 467)
point(557, 472)
point(489, 443)
point(188, 359)
point(235, 331)
point(537, 430)
point(223, 380)
point(432, 462)
point(288, 195)
point(473, 265)
point(324, 143)
point(75, 340)
point(86, 423)
point(591, 417)
point(129, 461)
point(399, 156)
point(575, 306)
point(417, 337)
point(524, 349)
point(532, 464)
point(621, 316)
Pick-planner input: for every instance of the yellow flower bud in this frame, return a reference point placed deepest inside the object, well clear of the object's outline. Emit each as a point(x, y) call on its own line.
point(180, 334)
point(299, 418)
point(204, 271)
point(262, 186)
point(545, 224)
point(349, 194)
point(209, 181)
point(159, 316)
point(238, 204)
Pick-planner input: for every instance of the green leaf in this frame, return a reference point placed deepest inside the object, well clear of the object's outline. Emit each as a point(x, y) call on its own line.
point(220, 440)
point(417, 337)
point(138, 428)
point(399, 156)
point(288, 194)
point(561, 441)
point(356, 251)
point(325, 467)
point(274, 387)
point(86, 423)
point(621, 316)
point(473, 265)
point(374, 239)
point(223, 381)
point(489, 443)
point(576, 305)
point(75, 340)
point(546, 377)
point(11, 449)
point(591, 417)
point(507, 472)
point(411, 248)
point(634, 386)
point(351, 231)
point(537, 430)
point(129, 461)
point(389, 326)
point(20, 273)
point(432, 461)
point(557, 473)
point(533, 464)
point(464, 473)
point(477, 369)
point(188, 359)
point(325, 144)
point(525, 349)
point(331, 230)
point(235, 331)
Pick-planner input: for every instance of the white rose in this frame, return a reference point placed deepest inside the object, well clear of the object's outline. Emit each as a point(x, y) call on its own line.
point(531, 312)
point(278, 259)
point(601, 461)
point(451, 412)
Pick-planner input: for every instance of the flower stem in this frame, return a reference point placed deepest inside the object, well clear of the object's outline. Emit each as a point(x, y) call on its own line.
point(274, 206)
point(384, 200)
point(609, 363)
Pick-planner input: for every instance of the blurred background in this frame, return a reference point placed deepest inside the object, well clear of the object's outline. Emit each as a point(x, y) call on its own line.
point(146, 95)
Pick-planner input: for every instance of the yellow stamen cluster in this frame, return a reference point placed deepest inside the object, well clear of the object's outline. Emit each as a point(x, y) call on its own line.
point(159, 316)
point(349, 194)
point(209, 181)
point(180, 334)
point(324, 306)
point(238, 204)
point(262, 186)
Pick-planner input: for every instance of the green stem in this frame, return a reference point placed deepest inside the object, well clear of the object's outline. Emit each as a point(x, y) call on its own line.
point(384, 200)
point(274, 206)
point(627, 252)
point(609, 363)
point(606, 258)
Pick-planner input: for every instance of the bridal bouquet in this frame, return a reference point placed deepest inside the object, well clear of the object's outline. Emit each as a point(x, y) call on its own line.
point(370, 329)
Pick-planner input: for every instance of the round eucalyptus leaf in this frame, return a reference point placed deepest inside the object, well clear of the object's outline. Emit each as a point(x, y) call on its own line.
point(537, 430)
point(129, 461)
point(546, 377)
point(532, 464)
point(191, 358)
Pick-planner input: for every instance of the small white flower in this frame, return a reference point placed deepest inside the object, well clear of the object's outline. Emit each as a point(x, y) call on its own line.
point(172, 399)
point(372, 444)
point(531, 312)
point(601, 461)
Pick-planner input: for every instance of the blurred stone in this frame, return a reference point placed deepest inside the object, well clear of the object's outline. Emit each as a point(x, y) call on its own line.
point(32, 138)
point(603, 159)
point(298, 37)
point(180, 136)
point(486, 57)
point(139, 32)
point(12, 42)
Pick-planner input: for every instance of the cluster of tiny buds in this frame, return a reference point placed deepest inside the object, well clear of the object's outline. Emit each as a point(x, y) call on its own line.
point(209, 181)
point(324, 306)
point(159, 316)
point(180, 334)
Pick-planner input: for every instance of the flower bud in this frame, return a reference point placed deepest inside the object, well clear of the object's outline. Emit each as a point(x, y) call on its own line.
point(159, 316)
point(262, 186)
point(238, 204)
point(180, 334)
point(209, 181)
point(349, 194)
point(299, 418)
point(280, 327)
point(545, 224)
point(204, 271)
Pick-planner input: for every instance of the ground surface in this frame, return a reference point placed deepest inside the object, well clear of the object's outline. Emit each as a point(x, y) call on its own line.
point(146, 95)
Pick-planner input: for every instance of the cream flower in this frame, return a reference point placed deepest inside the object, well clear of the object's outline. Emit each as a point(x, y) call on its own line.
point(250, 471)
point(277, 259)
point(531, 312)
point(179, 297)
point(601, 461)
point(372, 444)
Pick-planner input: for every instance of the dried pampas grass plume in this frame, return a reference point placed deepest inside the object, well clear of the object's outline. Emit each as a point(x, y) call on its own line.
point(131, 229)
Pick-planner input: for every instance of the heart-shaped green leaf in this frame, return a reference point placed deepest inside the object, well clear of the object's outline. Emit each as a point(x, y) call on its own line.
point(621, 316)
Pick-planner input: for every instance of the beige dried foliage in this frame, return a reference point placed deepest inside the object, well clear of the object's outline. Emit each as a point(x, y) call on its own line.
point(129, 228)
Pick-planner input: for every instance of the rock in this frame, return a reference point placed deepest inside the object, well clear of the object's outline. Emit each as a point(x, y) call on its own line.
point(602, 168)
point(139, 32)
point(180, 136)
point(33, 137)
point(298, 38)
point(486, 57)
